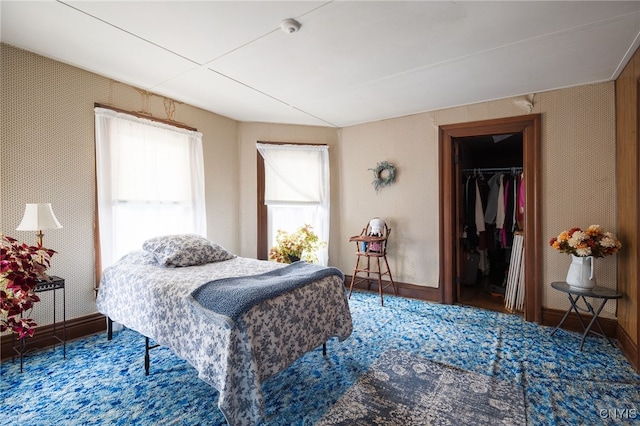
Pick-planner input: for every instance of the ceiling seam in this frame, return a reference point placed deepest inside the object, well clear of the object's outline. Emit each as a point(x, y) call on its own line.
point(130, 33)
point(270, 96)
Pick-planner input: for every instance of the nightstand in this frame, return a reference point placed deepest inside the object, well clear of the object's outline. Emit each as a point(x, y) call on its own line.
point(54, 285)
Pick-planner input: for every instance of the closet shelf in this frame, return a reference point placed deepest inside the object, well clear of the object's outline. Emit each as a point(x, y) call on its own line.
point(493, 170)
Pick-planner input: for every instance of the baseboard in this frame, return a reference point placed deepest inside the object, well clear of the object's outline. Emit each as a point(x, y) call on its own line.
point(552, 318)
point(411, 291)
point(43, 337)
point(629, 348)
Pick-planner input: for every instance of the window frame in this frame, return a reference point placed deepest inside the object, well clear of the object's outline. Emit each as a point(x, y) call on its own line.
point(96, 234)
point(262, 217)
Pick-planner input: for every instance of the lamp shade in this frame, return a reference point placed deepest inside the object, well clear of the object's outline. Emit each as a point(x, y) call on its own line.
point(38, 217)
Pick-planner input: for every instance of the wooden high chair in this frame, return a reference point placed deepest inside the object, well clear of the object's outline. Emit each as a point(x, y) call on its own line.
point(368, 247)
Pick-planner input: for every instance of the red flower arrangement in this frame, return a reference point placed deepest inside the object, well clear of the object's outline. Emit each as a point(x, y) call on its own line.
point(21, 267)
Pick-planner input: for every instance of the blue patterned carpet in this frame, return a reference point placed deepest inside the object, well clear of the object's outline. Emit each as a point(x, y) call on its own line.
point(102, 382)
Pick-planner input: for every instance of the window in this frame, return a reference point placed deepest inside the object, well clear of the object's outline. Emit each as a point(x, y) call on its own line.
point(150, 182)
point(296, 190)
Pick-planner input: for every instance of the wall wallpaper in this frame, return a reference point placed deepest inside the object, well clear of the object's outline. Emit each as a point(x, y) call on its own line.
point(47, 155)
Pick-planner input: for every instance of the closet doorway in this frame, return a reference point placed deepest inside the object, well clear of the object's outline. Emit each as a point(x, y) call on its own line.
point(490, 189)
point(510, 145)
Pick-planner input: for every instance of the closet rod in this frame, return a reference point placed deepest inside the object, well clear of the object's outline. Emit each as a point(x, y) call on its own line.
point(493, 169)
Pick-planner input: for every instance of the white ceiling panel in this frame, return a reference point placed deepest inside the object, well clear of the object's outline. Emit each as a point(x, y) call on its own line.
point(210, 91)
point(198, 30)
point(351, 61)
point(56, 31)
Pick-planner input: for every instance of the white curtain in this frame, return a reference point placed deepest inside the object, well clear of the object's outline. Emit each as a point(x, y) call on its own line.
point(150, 182)
point(297, 190)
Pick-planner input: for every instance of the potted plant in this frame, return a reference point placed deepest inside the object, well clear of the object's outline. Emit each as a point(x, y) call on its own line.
point(303, 244)
point(21, 268)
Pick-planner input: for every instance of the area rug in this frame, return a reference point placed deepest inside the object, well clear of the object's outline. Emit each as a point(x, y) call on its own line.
point(401, 388)
point(102, 382)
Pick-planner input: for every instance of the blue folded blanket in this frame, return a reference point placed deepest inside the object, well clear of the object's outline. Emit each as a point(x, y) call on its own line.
point(232, 297)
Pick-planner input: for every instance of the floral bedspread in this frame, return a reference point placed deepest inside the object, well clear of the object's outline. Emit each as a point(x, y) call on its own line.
point(153, 300)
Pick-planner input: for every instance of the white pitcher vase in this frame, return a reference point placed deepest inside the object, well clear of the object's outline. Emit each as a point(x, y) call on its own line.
point(580, 274)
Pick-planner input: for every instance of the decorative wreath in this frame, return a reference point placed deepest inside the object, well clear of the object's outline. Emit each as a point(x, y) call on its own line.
point(384, 174)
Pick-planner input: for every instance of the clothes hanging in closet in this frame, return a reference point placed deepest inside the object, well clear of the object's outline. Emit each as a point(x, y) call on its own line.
point(493, 209)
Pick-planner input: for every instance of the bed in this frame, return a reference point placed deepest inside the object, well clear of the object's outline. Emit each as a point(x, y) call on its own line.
point(158, 291)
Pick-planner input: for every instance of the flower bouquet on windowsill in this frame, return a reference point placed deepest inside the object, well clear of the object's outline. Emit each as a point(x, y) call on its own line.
point(303, 244)
point(21, 267)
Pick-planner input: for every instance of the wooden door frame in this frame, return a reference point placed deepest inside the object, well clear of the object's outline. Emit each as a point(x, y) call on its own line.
point(529, 125)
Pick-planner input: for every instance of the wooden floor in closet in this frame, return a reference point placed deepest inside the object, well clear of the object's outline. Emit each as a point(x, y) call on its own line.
point(477, 296)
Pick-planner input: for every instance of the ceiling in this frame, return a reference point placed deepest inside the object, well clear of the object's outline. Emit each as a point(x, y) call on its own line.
point(351, 61)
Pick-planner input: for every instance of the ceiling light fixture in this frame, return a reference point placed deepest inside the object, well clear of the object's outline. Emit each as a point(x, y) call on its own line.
point(290, 26)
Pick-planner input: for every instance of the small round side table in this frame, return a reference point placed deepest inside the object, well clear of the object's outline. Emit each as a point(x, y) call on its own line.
point(575, 294)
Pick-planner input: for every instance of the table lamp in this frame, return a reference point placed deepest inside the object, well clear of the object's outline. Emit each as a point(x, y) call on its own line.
point(38, 217)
